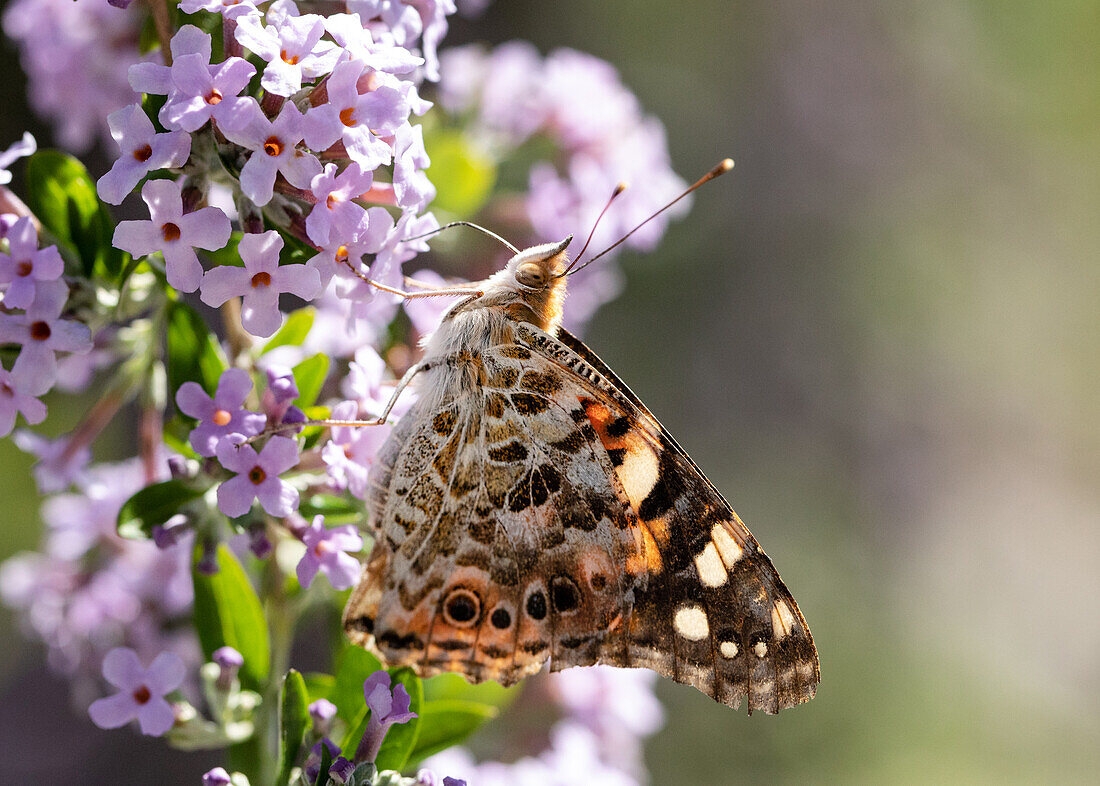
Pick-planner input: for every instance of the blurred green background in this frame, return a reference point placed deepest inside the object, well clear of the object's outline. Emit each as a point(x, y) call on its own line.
point(879, 337)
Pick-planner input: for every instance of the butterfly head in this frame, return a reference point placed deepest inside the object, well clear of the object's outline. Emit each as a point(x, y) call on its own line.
point(534, 278)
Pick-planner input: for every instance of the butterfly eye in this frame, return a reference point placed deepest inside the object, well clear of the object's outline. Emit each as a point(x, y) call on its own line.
point(531, 275)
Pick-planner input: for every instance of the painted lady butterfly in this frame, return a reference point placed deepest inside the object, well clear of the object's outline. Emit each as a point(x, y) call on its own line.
point(529, 507)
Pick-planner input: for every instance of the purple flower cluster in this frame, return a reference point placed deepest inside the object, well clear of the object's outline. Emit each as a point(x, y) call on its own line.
point(75, 56)
point(578, 103)
point(33, 296)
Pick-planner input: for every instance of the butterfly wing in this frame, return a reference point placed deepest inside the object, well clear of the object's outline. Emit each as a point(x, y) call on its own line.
point(713, 612)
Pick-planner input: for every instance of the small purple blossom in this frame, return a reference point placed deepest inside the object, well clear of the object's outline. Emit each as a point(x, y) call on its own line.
point(350, 454)
point(312, 766)
point(141, 151)
point(327, 552)
point(274, 145)
point(141, 691)
point(341, 770)
point(25, 265)
point(230, 9)
point(260, 282)
point(156, 79)
point(322, 712)
point(24, 147)
point(359, 119)
point(174, 234)
point(378, 55)
point(221, 415)
point(58, 463)
point(293, 50)
point(201, 92)
point(335, 211)
point(281, 391)
point(12, 402)
point(386, 708)
point(229, 662)
point(258, 477)
point(217, 776)
point(42, 333)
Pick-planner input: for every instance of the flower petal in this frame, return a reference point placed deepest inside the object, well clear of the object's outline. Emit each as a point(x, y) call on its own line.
point(122, 668)
point(156, 717)
point(113, 711)
point(165, 673)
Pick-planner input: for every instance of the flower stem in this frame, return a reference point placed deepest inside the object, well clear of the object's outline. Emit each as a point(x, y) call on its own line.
point(159, 10)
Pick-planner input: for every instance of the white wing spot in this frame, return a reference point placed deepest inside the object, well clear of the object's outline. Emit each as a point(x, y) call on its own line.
point(728, 649)
point(638, 472)
point(760, 648)
point(712, 573)
point(691, 623)
point(726, 545)
point(782, 620)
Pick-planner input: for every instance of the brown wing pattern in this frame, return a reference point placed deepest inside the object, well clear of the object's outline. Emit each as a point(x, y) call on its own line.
point(714, 612)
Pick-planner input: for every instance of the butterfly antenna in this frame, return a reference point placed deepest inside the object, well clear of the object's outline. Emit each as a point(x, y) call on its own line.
point(464, 224)
point(620, 188)
point(721, 169)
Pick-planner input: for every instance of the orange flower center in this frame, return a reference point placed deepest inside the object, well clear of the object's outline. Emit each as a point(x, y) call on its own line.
point(144, 153)
point(257, 475)
point(142, 694)
point(214, 97)
point(171, 232)
point(221, 418)
point(347, 117)
point(261, 279)
point(23, 269)
point(40, 331)
point(341, 254)
point(288, 59)
point(273, 146)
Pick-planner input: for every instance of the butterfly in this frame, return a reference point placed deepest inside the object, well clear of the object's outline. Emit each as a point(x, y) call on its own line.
point(529, 507)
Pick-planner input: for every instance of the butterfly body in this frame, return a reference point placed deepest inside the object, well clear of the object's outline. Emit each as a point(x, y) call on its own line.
point(529, 507)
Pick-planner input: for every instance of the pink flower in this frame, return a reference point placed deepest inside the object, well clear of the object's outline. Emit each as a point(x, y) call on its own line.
point(174, 234)
point(258, 477)
point(42, 333)
point(335, 208)
point(26, 264)
point(221, 415)
point(274, 143)
point(327, 552)
point(141, 151)
point(293, 50)
point(201, 91)
point(260, 282)
point(141, 691)
point(24, 147)
point(12, 402)
point(230, 9)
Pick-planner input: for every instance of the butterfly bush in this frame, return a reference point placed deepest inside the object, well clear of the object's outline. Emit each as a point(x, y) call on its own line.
point(278, 159)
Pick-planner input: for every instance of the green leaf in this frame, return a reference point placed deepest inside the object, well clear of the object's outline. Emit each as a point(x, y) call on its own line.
point(309, 376)
point(446, 723)
point(228, 612)
point(444, 687)
point(336, 510)
point(194, 354)
point(356, 728)
point(320, 685)
point(401, 737)
point(63, 196)
point(228, 255)
point(293, 332)
point(153, 505)
point(353, 666)
point(326, 762)
point(462, 173)
point(293, 722)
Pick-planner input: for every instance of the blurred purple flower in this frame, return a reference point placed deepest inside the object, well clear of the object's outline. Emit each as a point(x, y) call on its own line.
point(141, 151)
point(12, 402)
point(335, 211)
point(377, 55)
point(260, 282)
point(141, 691)
point(25, 264)
point(229, 662)
point(221, 415)
point(58, 464)
point(386, 708)
point(24, 147)
point(293, 50)
point(405, 21)
point(173, 233)
point(258, 477)
point(230, 9)
point(281, 384)
point(360, 120)
point(350, 454)
point(217, 776)
point(411, 186)
point(274, 146)
point(42, 334)
point(322, 712)
point(327, 552)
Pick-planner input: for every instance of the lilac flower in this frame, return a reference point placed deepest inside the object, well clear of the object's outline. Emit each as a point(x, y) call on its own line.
point(335, 208)
point(260, 282)
point(411, 186)
point(404, 21)
point(341, 770)
point(378, 55)
point(24, 147)
point(322, 712)
point(217, 776)
point(281, 392)
point(58, 463)
point(274, 145)
point(326, 551)
point(312, 766)
point(141, 691)
point(350, 454)
point(42, 333)
point(340, 256)
point(12, 402)
point(230, 9)
point(26, 264)
point(141, 150)
point(75, 56)
point(201, 92)
point(386, 708)
point(156, 79)
point(360, 120)
point(293, 50)
point(173, 233)
point(221, 415)
point(258, 477)
point(229, 662)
